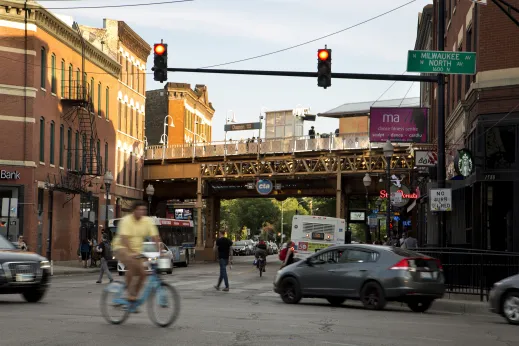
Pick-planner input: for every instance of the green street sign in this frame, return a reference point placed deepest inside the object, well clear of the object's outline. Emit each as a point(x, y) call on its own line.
point(430, 61)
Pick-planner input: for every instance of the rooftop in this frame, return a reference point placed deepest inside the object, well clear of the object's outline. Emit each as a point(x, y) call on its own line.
point(363, 108)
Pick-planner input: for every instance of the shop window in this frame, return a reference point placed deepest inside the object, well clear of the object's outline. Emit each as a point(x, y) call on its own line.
point(42, 139)
point(61, 144)
point(500, 147)
point(43, 68)
point(52, 144)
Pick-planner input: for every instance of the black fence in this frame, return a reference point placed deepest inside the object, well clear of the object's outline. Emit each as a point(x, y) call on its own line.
point(473, 272)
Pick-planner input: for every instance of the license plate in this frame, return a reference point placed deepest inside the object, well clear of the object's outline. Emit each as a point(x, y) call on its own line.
point(24, 277)
point(426, 275)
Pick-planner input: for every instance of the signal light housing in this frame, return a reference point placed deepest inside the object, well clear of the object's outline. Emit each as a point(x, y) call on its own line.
point(324, 68)
point(160, 62)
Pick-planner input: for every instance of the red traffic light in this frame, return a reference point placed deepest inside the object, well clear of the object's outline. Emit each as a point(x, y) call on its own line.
point(323, 54)
point(159, 49)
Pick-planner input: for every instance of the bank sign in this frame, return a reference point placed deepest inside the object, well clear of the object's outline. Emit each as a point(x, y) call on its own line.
point(6, 175)
point(264, 187)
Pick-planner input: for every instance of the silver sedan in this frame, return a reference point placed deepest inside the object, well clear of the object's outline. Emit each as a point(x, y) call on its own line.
point(369, 273)
point(504, 299)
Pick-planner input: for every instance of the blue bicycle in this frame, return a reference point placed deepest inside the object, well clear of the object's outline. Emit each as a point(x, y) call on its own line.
point(160, 296)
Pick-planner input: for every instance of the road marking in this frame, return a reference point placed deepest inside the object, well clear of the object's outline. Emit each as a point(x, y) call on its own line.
point(268, 294)
point(430, 339)
point(337, 343)
point(184, 283)
point(215, 331)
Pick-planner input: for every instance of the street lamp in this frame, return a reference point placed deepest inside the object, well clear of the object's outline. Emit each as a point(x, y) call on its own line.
point(367, 183)
point(388, 154)
point(150, 190)
point(108, 179)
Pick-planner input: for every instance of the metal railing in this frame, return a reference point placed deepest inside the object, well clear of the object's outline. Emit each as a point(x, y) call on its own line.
point(265, 146)
point(473, 272)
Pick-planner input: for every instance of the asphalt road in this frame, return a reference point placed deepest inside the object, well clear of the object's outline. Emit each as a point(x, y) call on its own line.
point(250, 314)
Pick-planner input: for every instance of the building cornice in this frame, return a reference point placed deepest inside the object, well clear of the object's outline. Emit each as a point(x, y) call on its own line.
point(43, 19)
point(186, 88)
point(134, 42)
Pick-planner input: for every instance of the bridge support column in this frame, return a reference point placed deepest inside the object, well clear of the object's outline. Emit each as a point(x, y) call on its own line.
point(199, 207)
point(338, 197)
point(212, 221)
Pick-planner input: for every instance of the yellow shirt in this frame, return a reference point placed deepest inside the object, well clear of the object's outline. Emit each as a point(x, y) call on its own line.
point(136, 231)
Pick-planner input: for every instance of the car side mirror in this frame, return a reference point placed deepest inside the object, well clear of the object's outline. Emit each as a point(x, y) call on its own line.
point(310, 261)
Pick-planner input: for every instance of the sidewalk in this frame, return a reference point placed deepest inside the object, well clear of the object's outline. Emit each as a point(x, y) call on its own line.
point(455, 306)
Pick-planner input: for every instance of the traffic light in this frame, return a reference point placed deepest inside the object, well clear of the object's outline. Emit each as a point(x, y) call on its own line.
point(324, 68)
point(160, 62)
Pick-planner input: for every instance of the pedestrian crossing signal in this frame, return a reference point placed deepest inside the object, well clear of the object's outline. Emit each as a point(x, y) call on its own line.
point(324, 68)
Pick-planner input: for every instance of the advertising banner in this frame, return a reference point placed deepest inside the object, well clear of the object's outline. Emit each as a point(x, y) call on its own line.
point(399, 125)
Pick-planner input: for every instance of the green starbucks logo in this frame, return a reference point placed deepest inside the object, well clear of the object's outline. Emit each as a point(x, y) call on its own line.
point(464, 163)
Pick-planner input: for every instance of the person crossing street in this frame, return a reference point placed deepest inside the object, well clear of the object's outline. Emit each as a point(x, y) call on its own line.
point(223, 249)
point(105, 252)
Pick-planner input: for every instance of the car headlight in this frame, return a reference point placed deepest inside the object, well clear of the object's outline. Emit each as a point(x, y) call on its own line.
point(44, 264)
point(113, 257)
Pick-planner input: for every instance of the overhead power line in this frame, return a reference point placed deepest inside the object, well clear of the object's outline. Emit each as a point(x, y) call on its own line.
point(115, 6)
point(313, 40)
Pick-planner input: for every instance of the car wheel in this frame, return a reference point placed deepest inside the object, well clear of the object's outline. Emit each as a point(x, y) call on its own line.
point(372, 296)
point(510, 308)
point(419, 305)
point(121, 273)
point(35, 295)
point(290, 291)
point(336, 301)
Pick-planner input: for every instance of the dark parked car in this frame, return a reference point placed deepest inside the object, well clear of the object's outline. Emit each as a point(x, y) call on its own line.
point(23, 272)
point(369, 273)
point(504, 299)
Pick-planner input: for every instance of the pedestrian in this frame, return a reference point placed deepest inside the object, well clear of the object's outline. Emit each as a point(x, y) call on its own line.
point(105, 252)
point(311, 132)
point(21, 244)
point(85, 251)
point(223, 249)
point(410, 242)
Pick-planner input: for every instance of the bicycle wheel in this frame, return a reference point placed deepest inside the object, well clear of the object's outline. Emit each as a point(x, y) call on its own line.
point(113, 296)
point(164, 298)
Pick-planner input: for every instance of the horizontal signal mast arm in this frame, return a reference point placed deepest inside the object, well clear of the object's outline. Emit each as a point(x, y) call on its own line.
point(365, 76)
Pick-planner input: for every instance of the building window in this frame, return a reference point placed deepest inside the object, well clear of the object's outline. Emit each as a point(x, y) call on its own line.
point(124, 168)
point(42, 139)
point(125, 118)
point(106, 156)
point(52, 148)
point(107, 103)
point(138, 80)
point(98, 157)
point(500, 147)
point(131, 122)
point(84, 153)
point(69, 148)
point(119, 115)
point(131, 77)
point(92, 90)
point(61, 144)
point(53, 81)
point(79, 85)
point(40, 200)
point(63, 78)
point(137, 184)
point(76, 153)
point(127, 72)
point(119, 156)
point(70, 78)
point(99, 99)
point(92, 151)
point(130, 170)
point(137, 128)
point(43, 68)
point(468, 48)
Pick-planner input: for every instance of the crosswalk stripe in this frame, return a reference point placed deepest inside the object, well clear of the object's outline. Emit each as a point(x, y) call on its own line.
point(268, 294)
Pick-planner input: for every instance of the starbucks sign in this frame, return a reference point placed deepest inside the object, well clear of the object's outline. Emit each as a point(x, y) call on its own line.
point(464, 163)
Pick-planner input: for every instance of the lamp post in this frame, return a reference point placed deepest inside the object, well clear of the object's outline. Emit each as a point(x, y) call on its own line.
point(164, 137)
point(108, 179)
point(378, 203)
point(150, 190)
point(388, 154)
point(367, 183)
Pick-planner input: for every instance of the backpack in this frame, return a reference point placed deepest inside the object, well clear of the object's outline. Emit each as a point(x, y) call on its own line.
point(283, 254)
point(108, 250)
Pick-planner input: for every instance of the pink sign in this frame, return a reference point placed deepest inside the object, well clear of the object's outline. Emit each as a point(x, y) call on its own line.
point(399, 125)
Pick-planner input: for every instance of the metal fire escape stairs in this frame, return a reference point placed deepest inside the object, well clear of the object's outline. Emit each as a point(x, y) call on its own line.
point(79, 113)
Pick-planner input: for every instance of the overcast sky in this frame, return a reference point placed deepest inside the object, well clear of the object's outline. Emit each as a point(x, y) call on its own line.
point(209, 32)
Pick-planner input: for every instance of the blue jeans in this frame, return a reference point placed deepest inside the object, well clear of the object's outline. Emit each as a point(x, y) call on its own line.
point(223, 272)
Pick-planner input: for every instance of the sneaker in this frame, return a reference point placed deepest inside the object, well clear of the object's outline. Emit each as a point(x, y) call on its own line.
point(98, 282)
point(226, 289)
point(216, 287)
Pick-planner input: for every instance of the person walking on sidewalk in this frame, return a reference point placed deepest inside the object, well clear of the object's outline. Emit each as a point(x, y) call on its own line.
point(223, 249)
point(105, 253)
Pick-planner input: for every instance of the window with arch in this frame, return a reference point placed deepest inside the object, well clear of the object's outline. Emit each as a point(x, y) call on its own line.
point(92, 90)
point(42, 139)
point(137, 128)
point(69, 148)
point(138, 79)
point(131, 122)
point(43, 67)
point(127, 71)
point(125, 166)
point(119, 114)
point(130, 170)
point(125, 118)
point(61, 144)
point(98, 156)
point(106, 156)
point(107, 103)
point(63, 76)
point(118, 165)
point(121, 63)
point(70, 79)
point(132, 76)
point(52, 144)
point(53, 80)
point(99, 99)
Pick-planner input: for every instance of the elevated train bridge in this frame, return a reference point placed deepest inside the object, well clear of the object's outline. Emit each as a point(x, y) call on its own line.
point(303, 166)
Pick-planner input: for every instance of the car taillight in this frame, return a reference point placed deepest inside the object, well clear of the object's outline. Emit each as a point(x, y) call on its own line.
point(439, 264)
point(402, 265)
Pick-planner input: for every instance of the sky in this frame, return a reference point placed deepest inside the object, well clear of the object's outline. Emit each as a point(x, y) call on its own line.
point(208, 32)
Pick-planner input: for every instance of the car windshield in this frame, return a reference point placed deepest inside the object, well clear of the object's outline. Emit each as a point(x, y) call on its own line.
point(149, 247)
point(240, 243)
point(5, 244)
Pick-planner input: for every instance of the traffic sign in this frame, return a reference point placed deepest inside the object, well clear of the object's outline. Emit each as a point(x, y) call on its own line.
point(441, 199)
point(424, 158)
point(429, 61)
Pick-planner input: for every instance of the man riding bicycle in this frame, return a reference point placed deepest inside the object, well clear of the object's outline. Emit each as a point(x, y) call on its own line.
point(261, 251)
point(127, 245)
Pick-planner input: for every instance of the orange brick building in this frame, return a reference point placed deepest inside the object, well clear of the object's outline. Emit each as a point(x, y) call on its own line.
point(189, 110)
point(60, 122)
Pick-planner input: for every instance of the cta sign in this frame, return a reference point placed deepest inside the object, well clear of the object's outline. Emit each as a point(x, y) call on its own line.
point(7, 175)
point(264, 187)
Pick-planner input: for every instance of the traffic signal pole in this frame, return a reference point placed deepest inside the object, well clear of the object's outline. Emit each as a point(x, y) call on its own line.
point(364, 76)
point(441, 171)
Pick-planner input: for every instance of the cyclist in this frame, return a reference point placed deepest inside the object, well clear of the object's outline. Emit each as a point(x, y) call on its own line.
point(127, 245)
point(261, 251)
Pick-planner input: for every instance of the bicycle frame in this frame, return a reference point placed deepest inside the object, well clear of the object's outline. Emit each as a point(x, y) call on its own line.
point(152, 284)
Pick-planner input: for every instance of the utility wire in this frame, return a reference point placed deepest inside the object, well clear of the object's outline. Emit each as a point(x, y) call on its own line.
point(313, 40)
point(113, 6)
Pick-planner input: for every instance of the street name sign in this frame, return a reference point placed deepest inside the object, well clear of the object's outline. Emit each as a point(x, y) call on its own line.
point(429, 61)
point(440, 199)
point(242, 127)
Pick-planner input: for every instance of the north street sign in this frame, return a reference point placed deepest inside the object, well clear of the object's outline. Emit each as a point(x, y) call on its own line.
point(441, 199)
point(428, 61)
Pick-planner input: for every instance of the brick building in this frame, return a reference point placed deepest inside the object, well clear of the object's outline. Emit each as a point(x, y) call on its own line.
point(190, 115)
point(482, 119)
point(59, 91)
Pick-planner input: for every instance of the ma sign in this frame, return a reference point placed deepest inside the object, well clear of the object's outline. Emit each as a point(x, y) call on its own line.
point(440, 199)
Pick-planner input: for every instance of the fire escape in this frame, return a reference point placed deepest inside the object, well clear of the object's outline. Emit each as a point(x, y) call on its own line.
point(78, 112)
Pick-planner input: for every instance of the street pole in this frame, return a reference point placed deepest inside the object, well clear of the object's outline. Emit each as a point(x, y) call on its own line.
point(388, 190)
point(441, 123)
point(107, 231)
point(8, 218)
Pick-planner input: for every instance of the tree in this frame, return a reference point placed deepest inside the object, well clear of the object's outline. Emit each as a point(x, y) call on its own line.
point(228, 218)
point(255, 212)
point(288, 207)
point(324, 206)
